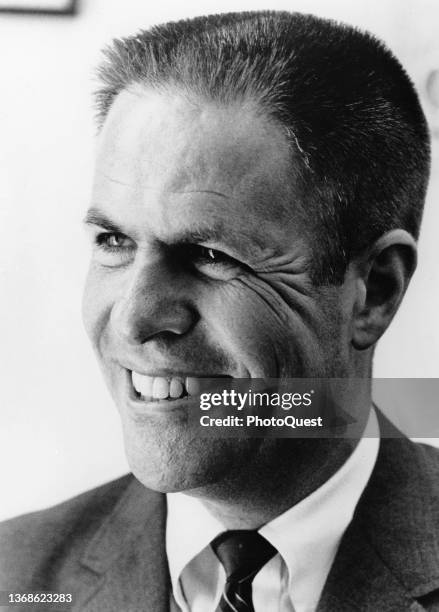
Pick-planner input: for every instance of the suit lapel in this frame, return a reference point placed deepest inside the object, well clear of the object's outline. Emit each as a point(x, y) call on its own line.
point(389, 555)
point(359, 580)
point(124, 566)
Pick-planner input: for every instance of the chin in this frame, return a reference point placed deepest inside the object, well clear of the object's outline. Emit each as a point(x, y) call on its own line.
point(170, 461)
point(169, 476)
point(168, 481)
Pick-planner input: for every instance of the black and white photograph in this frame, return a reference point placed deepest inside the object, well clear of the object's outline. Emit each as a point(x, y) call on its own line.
point(219, 345)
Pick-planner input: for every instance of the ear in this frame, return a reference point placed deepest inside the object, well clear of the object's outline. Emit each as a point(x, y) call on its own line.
point(383, 275)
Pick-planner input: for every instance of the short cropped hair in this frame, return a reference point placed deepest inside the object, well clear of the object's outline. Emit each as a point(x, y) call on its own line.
point(348, 109)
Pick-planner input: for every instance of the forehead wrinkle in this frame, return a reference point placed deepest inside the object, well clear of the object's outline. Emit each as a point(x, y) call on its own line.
point(208, 191)
point(149, 188)
point(114, 180)
point(186, 191)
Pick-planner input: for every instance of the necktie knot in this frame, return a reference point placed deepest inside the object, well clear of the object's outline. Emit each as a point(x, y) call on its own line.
point(242, 553)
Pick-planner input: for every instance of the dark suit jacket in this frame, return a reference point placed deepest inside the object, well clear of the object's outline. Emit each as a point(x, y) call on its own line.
point(107, 546)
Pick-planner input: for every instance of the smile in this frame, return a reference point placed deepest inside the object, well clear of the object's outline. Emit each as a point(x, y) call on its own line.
point(150, 388)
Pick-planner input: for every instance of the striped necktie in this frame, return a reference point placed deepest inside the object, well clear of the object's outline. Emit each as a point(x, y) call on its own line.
point(242, 554)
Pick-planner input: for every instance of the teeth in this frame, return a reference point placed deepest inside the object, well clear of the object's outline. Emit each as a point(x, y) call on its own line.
point(176, 388)
point(142, 384)
point(159, 388)
point(192, 386)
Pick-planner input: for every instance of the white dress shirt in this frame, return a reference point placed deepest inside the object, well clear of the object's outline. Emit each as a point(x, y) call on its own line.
point(306, 537)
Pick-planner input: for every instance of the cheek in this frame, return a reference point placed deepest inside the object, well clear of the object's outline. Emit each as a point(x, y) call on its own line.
point(251, 324)
point(272, 328)
point(96, 306)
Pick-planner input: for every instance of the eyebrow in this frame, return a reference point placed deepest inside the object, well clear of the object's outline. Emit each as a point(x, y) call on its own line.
point(215, 234)
point(203, 234)
point(96, 217)
point(206, 234)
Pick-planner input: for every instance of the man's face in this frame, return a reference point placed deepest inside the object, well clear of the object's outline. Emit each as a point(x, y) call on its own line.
point(200, 268)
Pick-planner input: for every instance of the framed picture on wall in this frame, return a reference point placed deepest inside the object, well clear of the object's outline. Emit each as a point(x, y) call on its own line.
point(47, 7)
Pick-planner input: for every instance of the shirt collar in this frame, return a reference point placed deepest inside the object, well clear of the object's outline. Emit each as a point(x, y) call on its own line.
point(308, 534)
point(309, 531)
point(190, 527)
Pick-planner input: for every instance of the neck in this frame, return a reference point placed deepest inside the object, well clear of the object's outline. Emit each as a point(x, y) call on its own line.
point(280, 474)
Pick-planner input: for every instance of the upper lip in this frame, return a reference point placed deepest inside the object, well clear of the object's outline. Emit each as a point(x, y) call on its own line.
point(177, 373)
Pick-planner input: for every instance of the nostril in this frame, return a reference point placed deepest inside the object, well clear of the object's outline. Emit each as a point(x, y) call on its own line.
point(138, 321)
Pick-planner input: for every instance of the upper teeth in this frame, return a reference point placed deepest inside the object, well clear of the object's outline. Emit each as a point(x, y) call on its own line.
point(158, 387)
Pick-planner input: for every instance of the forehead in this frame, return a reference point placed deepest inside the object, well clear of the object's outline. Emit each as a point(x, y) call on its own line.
point(163, 154)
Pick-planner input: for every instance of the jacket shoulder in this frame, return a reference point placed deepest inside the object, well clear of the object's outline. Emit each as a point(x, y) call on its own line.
point(429, 460)
point(425, 459)
point(32, 542)
point(430, 455)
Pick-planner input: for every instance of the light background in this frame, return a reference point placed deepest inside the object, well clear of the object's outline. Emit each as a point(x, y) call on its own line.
point(59, 432)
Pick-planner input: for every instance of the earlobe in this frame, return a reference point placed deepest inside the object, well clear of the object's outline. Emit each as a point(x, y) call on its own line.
point(384, 274)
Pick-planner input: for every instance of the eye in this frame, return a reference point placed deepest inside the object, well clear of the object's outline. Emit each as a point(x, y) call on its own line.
point(210, 262)
point(213, 256)
point(201, 255)
point(113, 248)
point(113, 241)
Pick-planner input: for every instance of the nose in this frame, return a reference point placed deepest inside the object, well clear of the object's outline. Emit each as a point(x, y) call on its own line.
point(153, 301)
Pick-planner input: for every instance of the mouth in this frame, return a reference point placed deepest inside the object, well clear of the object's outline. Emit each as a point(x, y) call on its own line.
point(159, 388)
point(169, 393)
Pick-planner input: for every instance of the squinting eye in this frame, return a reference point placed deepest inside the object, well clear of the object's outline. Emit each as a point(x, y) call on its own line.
point(205, 255)
point(213, 256)
point(209, 262)
point(113, 249)
point(113, 241)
